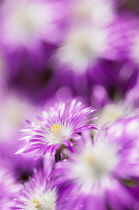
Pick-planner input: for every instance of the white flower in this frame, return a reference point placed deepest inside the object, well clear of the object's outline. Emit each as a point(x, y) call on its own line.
point(26, 22)
point(94, 164)
point(82, 47)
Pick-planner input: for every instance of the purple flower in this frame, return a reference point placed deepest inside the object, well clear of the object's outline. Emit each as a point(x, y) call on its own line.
point(30, 32)
point(82, 47)
point(26, 23)
point(101, 173)
point(37, 193)
point(56, 127)
point(122, 36)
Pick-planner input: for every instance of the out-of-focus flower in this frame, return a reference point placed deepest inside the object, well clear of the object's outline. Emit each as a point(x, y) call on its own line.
point(125, 128)
point(101, 171)
point(14, 111)
point(30, 32)
point(26, 23)
point(111, 112)
point(56, 127)
point(82, 48)
point(38, 193)
point(121, 36)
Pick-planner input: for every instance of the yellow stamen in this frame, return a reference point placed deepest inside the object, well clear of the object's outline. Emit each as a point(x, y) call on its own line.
point(55, 128)
point(89, 159)
point(36, 203)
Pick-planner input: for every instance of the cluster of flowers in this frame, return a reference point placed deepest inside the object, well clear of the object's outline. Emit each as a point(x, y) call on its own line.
point(83, 167)
point(76, 64)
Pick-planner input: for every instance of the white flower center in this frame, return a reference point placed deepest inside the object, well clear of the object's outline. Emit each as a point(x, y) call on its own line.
point(57, 133)
point(28, 21)
point(94, 164)
point(42, 201)
point(110, 113)
point(82, 47)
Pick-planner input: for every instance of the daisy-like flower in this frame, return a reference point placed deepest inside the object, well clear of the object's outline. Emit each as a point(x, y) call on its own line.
point(82, 47)
point(37, 194)
point(56, 127)
point(24, 23)
point(102, 173)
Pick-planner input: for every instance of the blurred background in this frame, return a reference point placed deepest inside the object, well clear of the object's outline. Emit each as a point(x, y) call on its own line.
point(75, 48)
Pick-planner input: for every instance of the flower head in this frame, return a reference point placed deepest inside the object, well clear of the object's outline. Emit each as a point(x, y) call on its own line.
point(100, 169)
point(56, 127)
point(82, 47)
point(27, 22)
point(37, 194)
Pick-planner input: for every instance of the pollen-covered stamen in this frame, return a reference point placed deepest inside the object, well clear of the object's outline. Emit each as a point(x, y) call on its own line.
point(55, 128)
point(36, 203)
point(57, 132)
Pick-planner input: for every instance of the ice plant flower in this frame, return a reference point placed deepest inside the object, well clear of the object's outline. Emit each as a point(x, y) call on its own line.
point(82, 47)
point(99, 172)
point(37, 194)
point(57, 125)
point(113, 111)
point(13, 119)
point(26, 23)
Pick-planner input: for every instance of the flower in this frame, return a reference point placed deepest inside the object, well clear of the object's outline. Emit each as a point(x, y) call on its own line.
point(37, 193)
point(102, 173)
point(82, 47)
point(27, 22)
point(56, 127)
point(30, 32)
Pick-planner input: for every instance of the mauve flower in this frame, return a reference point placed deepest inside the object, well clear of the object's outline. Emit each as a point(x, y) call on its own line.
point(14, 111)
point(26, 23)
point(82, 47)
point(101, 173)
point(57, 125)
point(37, 193)
point(30, 32)
point(122, 32)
